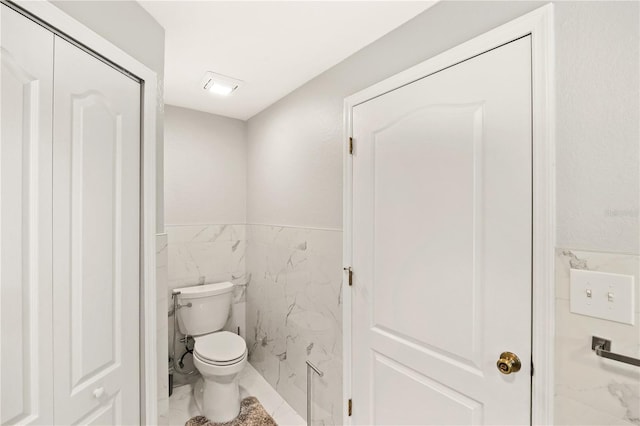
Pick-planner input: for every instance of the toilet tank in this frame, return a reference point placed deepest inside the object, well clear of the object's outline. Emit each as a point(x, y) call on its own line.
point(209, 310)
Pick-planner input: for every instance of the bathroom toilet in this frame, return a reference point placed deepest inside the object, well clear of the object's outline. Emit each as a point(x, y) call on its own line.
point(218, 355)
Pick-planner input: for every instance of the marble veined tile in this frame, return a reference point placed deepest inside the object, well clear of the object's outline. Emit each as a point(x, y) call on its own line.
point(605, 385)
point(287, 301)
point(205, 251)
point(570, 412)
point(182, 406)
point(294, 313)
point(238, 232)
point(162, 242)
point(189, 260)
point(238, 255)
point(162, 329)
point(591, 389)
point(199, 233)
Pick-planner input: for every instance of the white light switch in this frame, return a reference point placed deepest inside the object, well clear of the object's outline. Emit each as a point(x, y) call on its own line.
point(603, 295)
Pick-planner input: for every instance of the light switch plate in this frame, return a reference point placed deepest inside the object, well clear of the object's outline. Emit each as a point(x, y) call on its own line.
point(603, 295)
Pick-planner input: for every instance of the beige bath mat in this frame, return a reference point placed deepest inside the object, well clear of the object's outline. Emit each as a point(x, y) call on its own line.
point(252, 413)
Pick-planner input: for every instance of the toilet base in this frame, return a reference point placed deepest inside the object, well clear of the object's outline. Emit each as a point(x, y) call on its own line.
point(218, 401)
point(198, 389)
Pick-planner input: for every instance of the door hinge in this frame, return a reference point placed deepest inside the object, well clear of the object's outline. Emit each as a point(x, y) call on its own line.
point(351, 145)
point(350, 407)
point(350, 273)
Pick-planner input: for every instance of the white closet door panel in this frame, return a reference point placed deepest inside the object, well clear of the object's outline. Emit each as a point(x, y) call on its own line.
point(96, 241)
point(26, 56)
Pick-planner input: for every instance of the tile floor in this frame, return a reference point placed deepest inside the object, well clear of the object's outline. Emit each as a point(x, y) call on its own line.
point(182, 404)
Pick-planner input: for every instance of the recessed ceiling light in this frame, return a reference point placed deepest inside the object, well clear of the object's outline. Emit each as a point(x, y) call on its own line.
point(220, 84)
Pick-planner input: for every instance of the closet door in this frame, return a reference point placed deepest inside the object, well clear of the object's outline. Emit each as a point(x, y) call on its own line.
point(26, 57)
point(96, 280)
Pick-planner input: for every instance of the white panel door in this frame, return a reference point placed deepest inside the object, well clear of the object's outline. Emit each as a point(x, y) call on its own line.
point(96, 280)
point(26, 56)
point(442, 246)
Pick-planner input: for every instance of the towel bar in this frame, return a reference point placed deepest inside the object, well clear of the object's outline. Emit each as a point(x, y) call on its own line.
point(310, 370)
point(602, 348)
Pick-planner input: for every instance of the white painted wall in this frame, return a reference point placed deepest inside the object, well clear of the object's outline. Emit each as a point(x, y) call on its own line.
point(205, 168)
point(598, 138)
point(295, 170)
point(294, 158)
point(127, 25)
point(295, 153)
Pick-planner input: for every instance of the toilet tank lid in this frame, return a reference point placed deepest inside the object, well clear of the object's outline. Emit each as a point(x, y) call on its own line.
point(205, 290)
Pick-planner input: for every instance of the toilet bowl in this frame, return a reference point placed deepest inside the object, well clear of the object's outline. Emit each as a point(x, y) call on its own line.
point(218, 355)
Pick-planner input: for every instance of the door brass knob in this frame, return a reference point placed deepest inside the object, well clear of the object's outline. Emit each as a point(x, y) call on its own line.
point(509, 363)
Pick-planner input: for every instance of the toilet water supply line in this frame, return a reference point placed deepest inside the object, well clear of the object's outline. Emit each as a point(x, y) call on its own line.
point(178, 367)
point(310, 370)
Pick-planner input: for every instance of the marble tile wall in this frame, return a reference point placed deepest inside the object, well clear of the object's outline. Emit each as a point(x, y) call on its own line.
point(208, 254)
point(294, 314)
point(591, 390)
point(162, 332)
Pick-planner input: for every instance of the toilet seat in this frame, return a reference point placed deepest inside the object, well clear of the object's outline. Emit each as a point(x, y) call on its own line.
point(220, 363)
point(221, 348)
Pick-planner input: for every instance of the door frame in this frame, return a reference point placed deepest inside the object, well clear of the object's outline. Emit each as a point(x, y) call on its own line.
point(87, 39)
point(538, 24)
